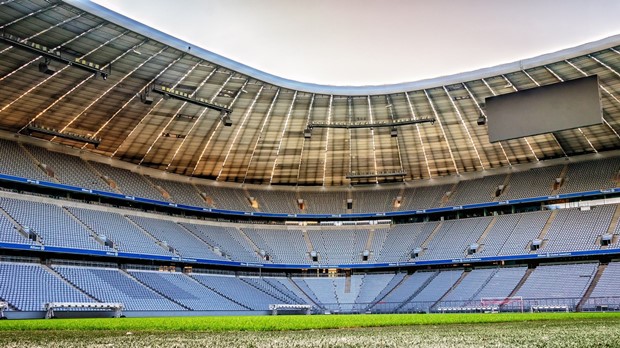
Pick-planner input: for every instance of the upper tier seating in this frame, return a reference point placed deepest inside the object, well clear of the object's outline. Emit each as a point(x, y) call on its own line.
point(276, 201)
point(579, 176)
point(332, 202)
point(226, 198)
point(476, 191)
point(531, 183)
point(423, 197)
point(78, 175)
point(128, 182)
point(375, 201)
point(591, 175)
point(180, 192)
point(16, 162)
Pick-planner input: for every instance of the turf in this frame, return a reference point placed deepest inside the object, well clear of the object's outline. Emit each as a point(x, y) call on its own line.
point(447, 330)
point(290, 323)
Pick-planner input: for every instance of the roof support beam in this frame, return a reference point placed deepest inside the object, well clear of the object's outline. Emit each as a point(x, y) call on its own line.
point(117, 112)
point(149, 112)
point(239, 129)
point(329, 119)
point(458, 113)
point(604, 64)
point(115, 84)
point(157, 137)
point(372, 136)
point(471, 96)
point(56, 74)
point(288, 117)
point(349, 132)
point(193, 126)
point(260, 133)
point(553, 135)
point(417, 127)
point(219, 124)
point(388, 100)
point(303, 140)
point(53, 49)
point(443, 132)
point(3, 26)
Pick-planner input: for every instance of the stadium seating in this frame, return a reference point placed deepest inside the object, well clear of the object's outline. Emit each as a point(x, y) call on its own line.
point(54, 226)
point(173, 235)
point(282, 246)
point(531, 183)
point(184, 193)
point(401, 240)
point(78, 175)
point(539, 181)
point(185, 290)
point(113, 285)
point(477, 190)
point(228, 239)
point(454, 237)
point(574, 229)
point(565, 284)
point(128, 182)
point(237, 290)
point(126, 236)
point(605, 292)
point(339, 246)
point(16, 162)
point(29, 286)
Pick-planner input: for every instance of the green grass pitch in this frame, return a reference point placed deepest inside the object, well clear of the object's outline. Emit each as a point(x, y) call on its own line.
point(425, 330)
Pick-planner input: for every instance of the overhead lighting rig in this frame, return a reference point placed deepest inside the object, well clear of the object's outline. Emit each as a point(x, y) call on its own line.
point(360, 175)
point(168, 92)
point(395, 123)
point(392, 124)
point(56, 55)
point(32, 128)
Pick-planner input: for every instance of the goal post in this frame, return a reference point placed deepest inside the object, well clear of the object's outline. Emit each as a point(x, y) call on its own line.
point(508, 303)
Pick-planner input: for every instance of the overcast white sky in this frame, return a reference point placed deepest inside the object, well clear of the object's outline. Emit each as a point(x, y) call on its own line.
point(366, 42)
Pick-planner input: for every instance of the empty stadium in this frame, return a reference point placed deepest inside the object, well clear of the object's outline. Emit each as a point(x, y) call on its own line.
point(142, 179)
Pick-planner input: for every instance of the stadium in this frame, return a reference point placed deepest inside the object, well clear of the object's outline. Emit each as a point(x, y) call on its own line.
point(145, 178)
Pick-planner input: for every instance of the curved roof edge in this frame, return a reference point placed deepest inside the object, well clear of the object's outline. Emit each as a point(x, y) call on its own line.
point(142, 29)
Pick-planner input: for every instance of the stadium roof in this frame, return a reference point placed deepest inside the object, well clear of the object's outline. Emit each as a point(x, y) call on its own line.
point(266, 143)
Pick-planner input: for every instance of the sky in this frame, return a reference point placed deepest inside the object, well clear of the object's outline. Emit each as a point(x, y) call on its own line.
point(376, 42)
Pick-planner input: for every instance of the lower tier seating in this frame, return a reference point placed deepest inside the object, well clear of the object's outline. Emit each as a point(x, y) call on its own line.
point(28, 286)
